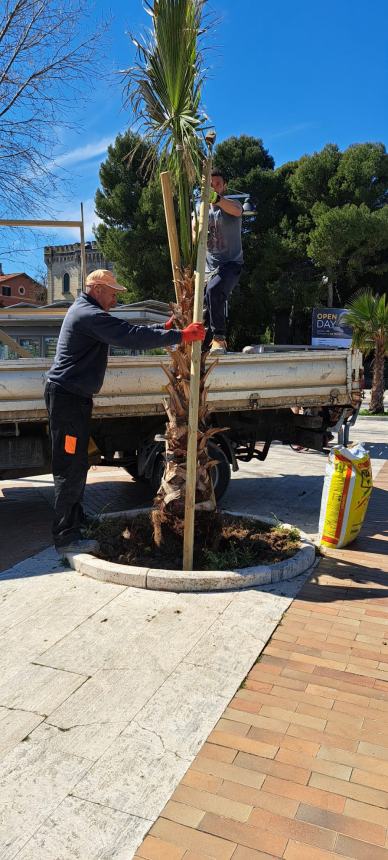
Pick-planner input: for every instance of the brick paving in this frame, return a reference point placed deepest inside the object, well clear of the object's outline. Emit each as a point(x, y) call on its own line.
point(297, 767)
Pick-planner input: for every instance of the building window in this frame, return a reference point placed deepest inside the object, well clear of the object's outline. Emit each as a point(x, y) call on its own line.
point(6, 291)
point(6, 353)
point(32, 344)
point(66, 283)
point(49, 346)
point(22, 291)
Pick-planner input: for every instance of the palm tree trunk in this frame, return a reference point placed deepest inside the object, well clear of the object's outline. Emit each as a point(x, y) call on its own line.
point(377, 395)
point(169, 503)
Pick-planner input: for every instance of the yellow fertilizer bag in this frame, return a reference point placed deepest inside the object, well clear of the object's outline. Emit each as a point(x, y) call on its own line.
point(346, 492)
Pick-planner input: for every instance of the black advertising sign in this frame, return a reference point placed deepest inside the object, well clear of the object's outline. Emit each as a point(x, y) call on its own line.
point(329, 328)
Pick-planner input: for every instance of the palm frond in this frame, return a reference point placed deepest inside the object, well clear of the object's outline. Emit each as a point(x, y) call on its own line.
point(163, 89)
point(367, 314)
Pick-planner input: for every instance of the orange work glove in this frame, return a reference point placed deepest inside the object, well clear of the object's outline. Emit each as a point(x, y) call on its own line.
point(192, 332)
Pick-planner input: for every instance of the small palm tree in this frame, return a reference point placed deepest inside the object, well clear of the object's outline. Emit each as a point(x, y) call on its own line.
point(163, 89)
point(367, 314)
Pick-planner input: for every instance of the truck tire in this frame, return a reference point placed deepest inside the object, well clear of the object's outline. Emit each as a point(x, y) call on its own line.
point(134, 473)
point(220, 473)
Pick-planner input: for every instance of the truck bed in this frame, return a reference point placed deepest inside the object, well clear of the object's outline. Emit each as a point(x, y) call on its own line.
point(136, 385)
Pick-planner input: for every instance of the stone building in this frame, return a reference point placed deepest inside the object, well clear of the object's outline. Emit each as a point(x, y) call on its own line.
point(64, 268)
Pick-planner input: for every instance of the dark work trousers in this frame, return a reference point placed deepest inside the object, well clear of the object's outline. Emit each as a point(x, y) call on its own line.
point(218, 289)
point(69, 420)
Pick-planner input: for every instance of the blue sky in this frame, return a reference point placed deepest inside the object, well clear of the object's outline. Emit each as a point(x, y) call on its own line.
point(297, 74)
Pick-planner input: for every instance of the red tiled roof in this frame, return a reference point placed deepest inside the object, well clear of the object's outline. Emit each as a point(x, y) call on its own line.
point(6, 278)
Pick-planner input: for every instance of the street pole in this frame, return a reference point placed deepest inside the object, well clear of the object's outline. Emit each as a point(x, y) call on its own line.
point(195, 369)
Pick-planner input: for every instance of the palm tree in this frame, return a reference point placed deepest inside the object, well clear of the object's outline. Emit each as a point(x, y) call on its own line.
point(163, 89)
point(367, 314)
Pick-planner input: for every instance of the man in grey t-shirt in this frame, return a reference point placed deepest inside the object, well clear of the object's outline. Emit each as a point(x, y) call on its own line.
point(224, 260)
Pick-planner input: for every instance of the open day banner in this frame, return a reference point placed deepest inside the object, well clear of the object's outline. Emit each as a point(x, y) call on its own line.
point(329, 328)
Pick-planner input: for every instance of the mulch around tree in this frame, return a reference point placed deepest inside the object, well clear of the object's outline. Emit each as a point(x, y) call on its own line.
point(222, 542)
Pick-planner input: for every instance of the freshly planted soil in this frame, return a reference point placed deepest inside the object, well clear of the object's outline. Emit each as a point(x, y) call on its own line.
point(230, 542)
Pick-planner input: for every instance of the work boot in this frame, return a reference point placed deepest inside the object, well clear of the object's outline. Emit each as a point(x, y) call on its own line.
point(78, 546)
point(218, 346)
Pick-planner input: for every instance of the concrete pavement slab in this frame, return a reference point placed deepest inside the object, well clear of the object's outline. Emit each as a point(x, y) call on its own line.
point(135, 775)
point(33, 782)
point(109, 696)
point(132, 629)
point(78, 830)
point(154, 637)
point(88, 741)
point(60, 605)
point(178, 718)
point(218, 651)
point(34, 588)
point(14, 726)
point(39, 689)
point(246, 607)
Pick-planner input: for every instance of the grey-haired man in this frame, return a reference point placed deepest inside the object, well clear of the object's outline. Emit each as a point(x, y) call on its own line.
point(76, 375)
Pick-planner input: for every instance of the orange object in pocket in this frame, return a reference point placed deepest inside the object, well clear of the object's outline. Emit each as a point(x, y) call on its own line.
point(70, 444)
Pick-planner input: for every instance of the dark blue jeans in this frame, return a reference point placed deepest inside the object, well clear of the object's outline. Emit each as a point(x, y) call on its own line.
point(218, 290)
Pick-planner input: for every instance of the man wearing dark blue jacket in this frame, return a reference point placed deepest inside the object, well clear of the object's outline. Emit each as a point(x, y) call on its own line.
point(76, 375)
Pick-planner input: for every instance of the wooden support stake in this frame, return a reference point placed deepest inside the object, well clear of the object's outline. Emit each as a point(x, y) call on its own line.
point(172, 232)
point(191, 469)
point(14, 345)
point(83, 253)
point(6, 222)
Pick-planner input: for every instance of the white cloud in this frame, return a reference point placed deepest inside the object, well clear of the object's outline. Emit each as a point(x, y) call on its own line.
point(90, 218)
point(83, 153)
point(293, 129)
point(73, 214)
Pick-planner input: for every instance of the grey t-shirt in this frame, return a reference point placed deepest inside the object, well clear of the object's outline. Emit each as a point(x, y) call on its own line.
point(224, 239)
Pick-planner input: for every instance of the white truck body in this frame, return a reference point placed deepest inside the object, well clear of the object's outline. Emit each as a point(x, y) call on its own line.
point(295, 395)
point(136, 386)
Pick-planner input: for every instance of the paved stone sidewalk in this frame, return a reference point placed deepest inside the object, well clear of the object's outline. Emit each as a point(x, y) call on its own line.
point(106, 696)
point(297, 766)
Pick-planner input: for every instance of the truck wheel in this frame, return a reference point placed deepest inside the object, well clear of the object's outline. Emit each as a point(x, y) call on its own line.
point(220, 473)
point(133, 471)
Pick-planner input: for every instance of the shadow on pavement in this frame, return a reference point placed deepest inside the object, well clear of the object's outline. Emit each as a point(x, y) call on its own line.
point(337, 590)
point(26, 511)
point(359, 561)
point(292, 498)
point(377, 450)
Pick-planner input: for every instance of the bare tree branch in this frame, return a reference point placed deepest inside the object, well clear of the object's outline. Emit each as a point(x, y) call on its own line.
point(49, 50)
